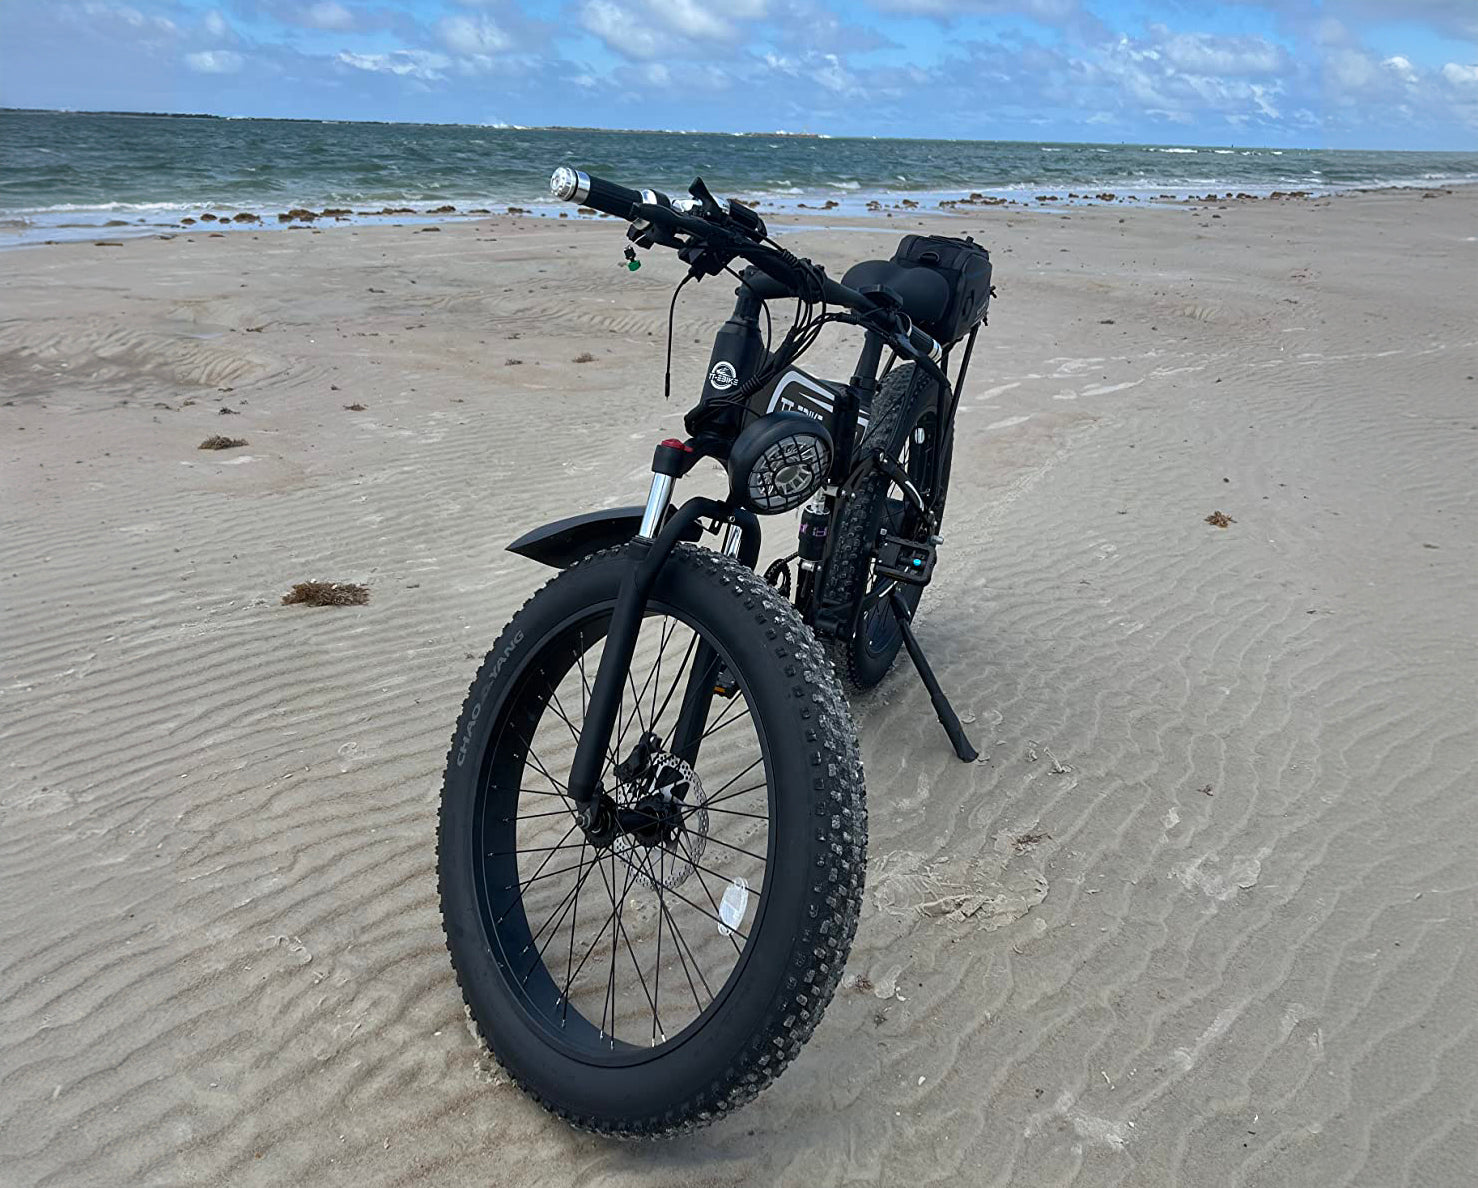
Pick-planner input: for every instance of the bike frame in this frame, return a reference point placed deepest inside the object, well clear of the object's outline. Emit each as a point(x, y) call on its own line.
point(661, 528)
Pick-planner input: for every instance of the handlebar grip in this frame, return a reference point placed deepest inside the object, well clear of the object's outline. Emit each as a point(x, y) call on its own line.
point(925, 344)
point(573, 185)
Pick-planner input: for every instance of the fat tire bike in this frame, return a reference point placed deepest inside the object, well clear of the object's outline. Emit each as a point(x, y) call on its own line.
point(653, 825)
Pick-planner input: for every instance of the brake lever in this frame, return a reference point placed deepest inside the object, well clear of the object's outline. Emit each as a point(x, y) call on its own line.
point(706, 200)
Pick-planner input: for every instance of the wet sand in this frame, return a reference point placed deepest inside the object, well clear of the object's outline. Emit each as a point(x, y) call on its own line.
point(1206, 916)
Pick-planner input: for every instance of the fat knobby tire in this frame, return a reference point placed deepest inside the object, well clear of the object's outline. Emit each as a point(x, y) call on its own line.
point(904, 395)
point(814, 877)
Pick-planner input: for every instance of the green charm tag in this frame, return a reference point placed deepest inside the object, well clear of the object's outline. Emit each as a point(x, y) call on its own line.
point(632, 265)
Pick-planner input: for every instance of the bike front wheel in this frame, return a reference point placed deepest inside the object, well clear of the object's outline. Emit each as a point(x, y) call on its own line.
point(652, 979)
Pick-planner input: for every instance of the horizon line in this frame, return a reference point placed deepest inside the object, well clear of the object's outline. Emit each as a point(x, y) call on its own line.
point(804, 135)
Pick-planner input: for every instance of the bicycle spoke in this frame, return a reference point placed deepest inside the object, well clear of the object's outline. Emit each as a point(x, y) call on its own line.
point(682, 942)
point(548, 874)
point(758, 760)
point(712, 800)
point(559, 711)
point(617, 904)
point(704, 911)
point(681, 668)
point(524, 791)
point(531, 816)
point(526, 850)
point(657, 965)
point(722, 722)
point(708, 807)
point(560, 788)
point(716, 874)
point(661, 646)
point(552, 850)
point(702, 882)
point(584, 684)
point(564, 997)
point(657, 668)
point(636, 702)
point(631, 952)
point(570, 896)
point(741, 849)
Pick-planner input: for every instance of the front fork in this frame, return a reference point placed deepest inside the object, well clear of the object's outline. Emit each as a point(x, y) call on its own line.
point(660, 531)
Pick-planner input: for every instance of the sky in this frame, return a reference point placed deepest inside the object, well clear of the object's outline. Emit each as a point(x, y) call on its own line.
point(1385, 74)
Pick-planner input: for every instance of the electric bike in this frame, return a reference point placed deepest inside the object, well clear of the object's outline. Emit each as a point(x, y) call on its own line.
point(653, 825)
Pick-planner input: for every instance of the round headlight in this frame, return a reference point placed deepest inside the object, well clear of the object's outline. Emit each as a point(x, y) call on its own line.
point(779, 461)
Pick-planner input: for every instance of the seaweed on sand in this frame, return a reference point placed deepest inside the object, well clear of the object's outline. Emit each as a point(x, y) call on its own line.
point(326, 594)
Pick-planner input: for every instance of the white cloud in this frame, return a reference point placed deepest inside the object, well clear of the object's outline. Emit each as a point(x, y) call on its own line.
point(1460, 76)
point(622, 30)
point(659, 28)
point(691, 19)
point(1205, 53)
point(825, 70)
point(1050, 11)
point(1401, 67)
point(214, 62)
point(419, 64)
point(695, 18)
point(473, 35)
point(128, 15)
point(328, 14)
point(1062, 14)
point(215, 25)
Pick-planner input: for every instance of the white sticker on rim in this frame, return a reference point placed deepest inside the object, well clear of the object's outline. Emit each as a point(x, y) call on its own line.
point(731, 907)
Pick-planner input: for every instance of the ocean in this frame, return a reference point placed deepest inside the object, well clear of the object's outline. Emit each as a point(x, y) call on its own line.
point(66, 175)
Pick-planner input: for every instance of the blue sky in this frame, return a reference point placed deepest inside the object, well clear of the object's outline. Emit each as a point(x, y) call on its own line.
point(1340, 73)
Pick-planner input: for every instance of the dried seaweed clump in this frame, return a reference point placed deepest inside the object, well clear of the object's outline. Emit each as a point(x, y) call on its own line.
point(217, 441)
point(1218, 519)
point(327, 594)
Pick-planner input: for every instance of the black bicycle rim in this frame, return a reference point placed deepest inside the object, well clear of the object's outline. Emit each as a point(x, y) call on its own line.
point(619, 954)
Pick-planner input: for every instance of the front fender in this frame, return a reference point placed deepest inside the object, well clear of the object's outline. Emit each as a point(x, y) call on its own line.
point(564, 542)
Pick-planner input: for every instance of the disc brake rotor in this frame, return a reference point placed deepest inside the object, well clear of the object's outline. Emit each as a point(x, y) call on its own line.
point(671, 784)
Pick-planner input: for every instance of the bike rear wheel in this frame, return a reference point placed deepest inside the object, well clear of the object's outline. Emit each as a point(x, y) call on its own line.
point(651, 981)
point(905, 425)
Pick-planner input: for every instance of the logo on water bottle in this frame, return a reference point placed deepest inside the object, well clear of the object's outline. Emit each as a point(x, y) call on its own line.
point(723, 376)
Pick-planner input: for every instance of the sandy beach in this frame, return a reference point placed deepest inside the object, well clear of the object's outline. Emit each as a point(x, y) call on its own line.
point(1207, 916)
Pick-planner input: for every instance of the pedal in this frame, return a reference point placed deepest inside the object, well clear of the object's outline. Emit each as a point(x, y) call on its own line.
point(913, 563)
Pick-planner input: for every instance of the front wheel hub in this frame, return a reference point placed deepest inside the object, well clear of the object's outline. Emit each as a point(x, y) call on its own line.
point(663, 823)
point(601, 821)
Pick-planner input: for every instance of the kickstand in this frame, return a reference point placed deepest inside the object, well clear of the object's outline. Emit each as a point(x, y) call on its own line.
point(947, 716)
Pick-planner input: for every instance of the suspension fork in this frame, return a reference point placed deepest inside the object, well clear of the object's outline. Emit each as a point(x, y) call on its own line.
point(650, 553)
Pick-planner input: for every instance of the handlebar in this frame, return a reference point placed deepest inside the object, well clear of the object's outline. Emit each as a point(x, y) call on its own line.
point(652, 207)
point(574, 185)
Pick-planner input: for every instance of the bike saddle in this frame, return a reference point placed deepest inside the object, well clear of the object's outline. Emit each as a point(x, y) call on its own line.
point(922, 293)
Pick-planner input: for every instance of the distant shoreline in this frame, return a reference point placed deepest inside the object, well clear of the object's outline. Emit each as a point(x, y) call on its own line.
point(581, 128)
point(853, 219)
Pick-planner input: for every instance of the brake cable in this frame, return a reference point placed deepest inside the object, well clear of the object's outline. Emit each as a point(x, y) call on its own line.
point(671, 314)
